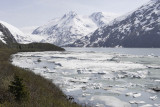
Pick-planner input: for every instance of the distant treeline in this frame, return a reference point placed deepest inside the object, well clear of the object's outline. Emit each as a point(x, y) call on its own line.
point(33, 47)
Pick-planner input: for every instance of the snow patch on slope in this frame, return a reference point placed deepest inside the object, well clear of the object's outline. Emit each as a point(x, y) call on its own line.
point(28, 30)
point(102, 18)
point(2, 37)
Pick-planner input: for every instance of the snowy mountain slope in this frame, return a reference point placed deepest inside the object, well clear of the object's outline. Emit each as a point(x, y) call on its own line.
point(102, 18)
point(28, 29)
point(5, 35)
point(17, 34)
point(140, 28)
point(70, 27)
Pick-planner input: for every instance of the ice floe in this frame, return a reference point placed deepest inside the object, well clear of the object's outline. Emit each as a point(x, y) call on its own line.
point(135, 95)
point(98, 79)
point(153, 97)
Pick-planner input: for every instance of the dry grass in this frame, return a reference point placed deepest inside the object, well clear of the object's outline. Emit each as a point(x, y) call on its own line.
point(43, 93)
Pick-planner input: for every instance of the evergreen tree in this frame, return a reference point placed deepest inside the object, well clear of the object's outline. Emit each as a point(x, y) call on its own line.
point(18, 89)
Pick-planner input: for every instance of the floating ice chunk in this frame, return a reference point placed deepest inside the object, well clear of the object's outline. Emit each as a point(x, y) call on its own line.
point(147, 105)
point(141, 102)
point(97, 86)
point(132, 102)
point(138, 74)
point(120, 76)
point(157, 105)
point(137, 102)
point(153, 97)
point(85, 94)
point(136, 95)
point(153, 66)
point(143, 72)
point(128, 85)
point(107, 88)
point(157, 80)
point(109, 101)
point(150, 91)
point(115, 91)
point(99, 105)
point(129, 94)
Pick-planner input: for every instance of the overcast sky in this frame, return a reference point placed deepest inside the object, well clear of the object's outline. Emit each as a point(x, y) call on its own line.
point(22, 13)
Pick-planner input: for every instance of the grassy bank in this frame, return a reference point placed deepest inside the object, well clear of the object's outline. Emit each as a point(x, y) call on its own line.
point(42, 92)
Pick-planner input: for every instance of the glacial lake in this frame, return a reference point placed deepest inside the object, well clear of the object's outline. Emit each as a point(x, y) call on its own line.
point(100, 77)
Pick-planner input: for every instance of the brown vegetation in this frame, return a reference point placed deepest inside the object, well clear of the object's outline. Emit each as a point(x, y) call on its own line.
point(42, 92)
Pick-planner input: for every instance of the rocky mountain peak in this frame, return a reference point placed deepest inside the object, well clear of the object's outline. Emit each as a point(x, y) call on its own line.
point(71, 15)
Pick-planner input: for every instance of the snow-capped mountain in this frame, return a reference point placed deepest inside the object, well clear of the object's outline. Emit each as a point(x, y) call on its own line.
point(71, 26)
point(19, 36)
point(140, 28)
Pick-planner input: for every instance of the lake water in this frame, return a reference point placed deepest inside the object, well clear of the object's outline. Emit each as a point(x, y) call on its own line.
point(100, 77)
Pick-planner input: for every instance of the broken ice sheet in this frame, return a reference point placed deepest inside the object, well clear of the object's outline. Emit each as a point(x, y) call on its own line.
point(98, 78)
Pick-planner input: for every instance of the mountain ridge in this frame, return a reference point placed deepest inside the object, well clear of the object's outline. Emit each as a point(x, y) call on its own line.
point(139, 28)
point(71, 27)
